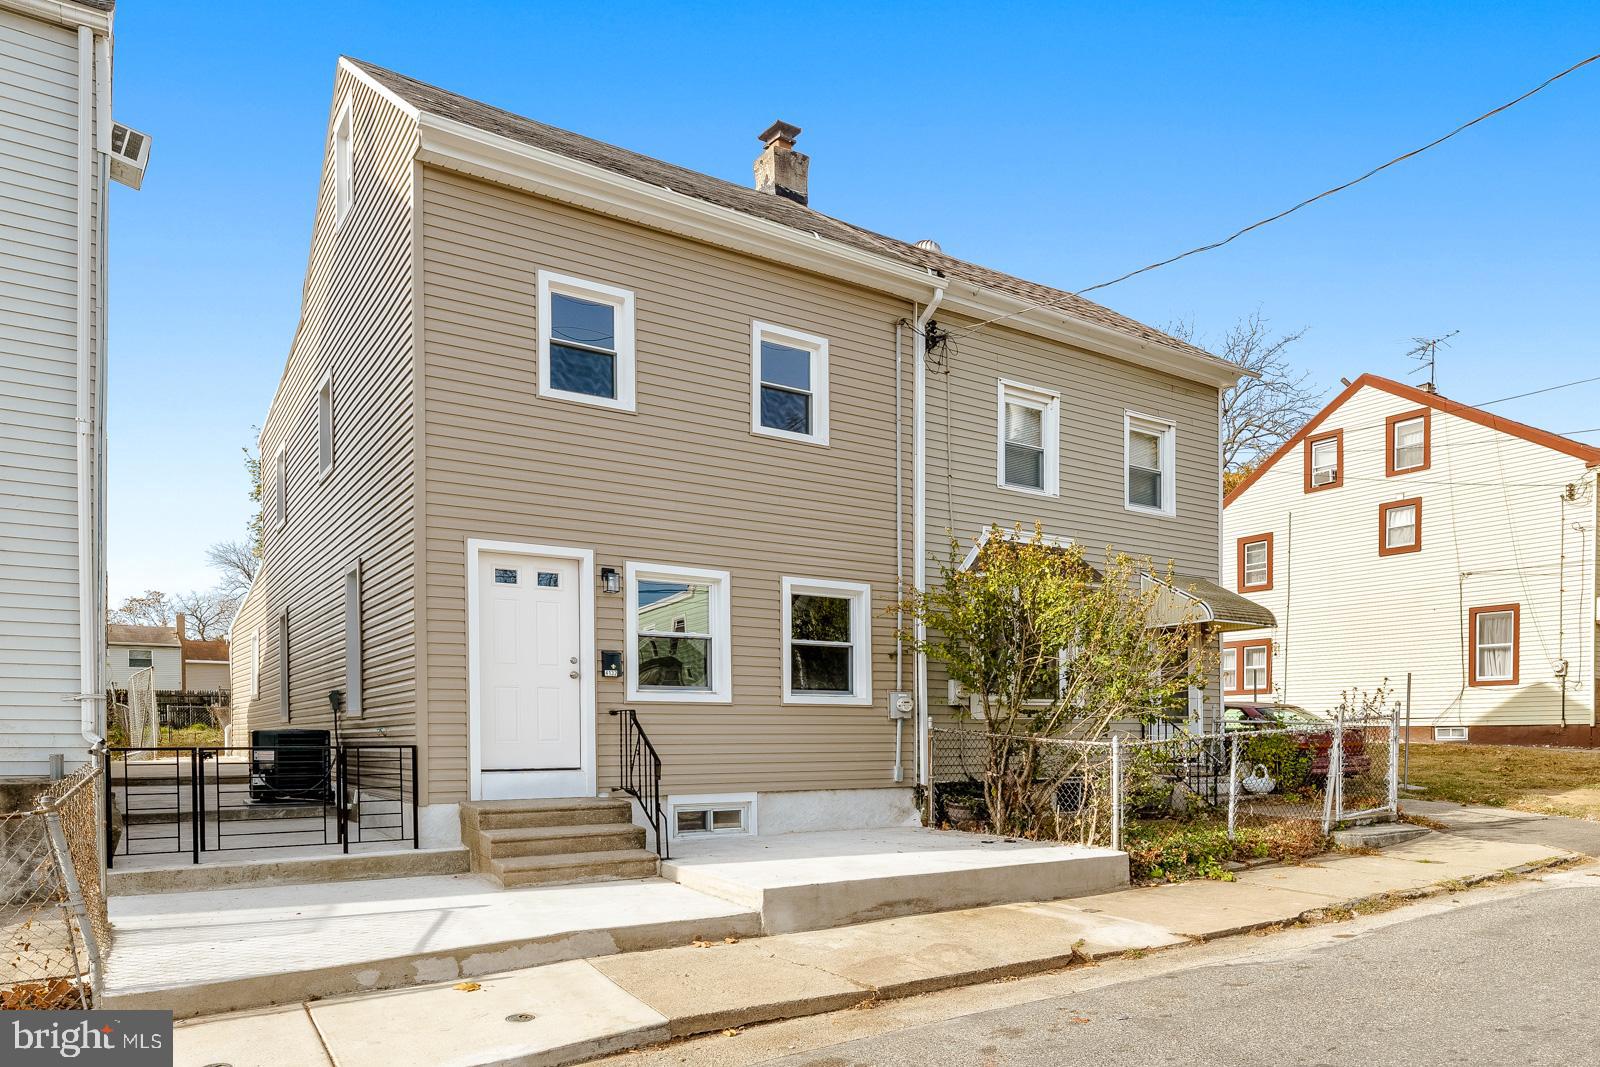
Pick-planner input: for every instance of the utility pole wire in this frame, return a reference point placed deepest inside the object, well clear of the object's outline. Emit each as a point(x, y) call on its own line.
point(1536, 392)
point(1304, 203)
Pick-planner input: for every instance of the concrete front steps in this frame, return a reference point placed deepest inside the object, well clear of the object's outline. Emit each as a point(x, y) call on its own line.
point(555, 842)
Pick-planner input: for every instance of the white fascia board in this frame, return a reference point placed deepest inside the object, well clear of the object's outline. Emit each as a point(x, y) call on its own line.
point(61, 13)
point(457, 146)
point(372, 83)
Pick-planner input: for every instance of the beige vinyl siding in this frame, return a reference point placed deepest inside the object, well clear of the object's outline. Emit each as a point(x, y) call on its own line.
point(357, 325)
point(683, 481)
point(205, 677)
point(1492, 527)
point(1096, 392)
point(39, 210)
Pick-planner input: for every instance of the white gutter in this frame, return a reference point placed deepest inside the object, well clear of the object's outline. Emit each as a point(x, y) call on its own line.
point(919, 516)
point(89, 615)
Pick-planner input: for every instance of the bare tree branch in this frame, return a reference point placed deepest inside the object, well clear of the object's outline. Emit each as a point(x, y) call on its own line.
point(236, 561)
point(150, 608)
point(207, 612)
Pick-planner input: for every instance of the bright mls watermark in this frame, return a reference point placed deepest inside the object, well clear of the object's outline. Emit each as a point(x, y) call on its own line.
point(126, 1038)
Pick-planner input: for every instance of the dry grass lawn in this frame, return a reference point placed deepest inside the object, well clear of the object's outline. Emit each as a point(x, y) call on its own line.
point(1555, 781)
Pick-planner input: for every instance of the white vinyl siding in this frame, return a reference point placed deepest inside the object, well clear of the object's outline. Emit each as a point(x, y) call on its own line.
point(585, 341)
point(1028, 432)
point(789, 384)
point(39, 256)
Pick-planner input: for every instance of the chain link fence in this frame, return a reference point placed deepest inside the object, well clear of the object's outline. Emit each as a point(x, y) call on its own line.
point(1311, 777)
point(54, 932)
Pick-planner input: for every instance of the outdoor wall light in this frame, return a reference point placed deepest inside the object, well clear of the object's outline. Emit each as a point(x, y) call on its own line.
point(610, 580)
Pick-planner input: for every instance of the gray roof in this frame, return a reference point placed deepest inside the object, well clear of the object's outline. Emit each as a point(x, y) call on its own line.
point(1226, 606)
point(778, 209)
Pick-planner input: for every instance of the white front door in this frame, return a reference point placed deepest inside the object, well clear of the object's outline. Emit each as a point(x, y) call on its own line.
point(529, 662)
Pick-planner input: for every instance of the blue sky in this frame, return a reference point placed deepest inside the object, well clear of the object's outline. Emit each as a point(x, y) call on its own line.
point(1063, 143)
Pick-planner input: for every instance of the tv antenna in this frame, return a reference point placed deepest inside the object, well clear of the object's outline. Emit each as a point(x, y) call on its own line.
point(1426, 353)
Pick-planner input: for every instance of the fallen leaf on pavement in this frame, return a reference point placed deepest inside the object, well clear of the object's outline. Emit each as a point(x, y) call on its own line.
point(733, 1031)
point(698, 943)
point(467, 987)
point(730, 940)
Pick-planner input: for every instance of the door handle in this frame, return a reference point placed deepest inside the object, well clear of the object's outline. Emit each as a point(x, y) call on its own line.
point(572, 674)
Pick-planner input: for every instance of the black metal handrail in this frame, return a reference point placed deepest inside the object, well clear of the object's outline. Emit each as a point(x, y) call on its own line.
point(639, 774)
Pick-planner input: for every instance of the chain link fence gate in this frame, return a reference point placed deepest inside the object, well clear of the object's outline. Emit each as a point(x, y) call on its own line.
point(54, 932)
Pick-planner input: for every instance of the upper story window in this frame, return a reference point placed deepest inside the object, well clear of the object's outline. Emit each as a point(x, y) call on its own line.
point(1409, 442)
point(325, 426)
point(280, 484)
point(789, 383)
point(1496, 644)
point(827, 628)
point(1400, 527)
point(1149, 451)
point(1029, 431)
point(1324, 461)
point(140, 657)
point(1254, 564)
point(680, 623)
point(585, 342)
point(343, 184)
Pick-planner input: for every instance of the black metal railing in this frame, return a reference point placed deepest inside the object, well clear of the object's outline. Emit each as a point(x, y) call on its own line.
point(639, 774)
point(220, 798)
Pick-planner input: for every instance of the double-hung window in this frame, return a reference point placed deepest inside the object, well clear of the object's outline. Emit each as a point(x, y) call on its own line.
point(679, 621)
point(789, 384)
point(1230, 670)
point(1029, 431)
point(139, 658)
point(1149, 455)
point(1496, 652)
point(585, 342)
point(1324, 461)
point(1408, 442)
point(1400, 527)
point(1247, 668)
point(1254, 563)
point(827, 636)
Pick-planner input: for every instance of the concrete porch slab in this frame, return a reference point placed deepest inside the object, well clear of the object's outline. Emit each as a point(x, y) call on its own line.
point(225, 950)
point(136, 875)
point(813, 881)
point(574, 1012)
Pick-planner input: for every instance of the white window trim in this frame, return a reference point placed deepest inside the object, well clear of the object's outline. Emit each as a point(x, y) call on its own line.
point(860, 596)
point(283, 664)
point(280, 487)
point(582, 289)
point(1132, 420)
point(818, 347)
point(1479, 646)
point(1047, 401)
point(1389, 527)
point(255, 662)
point(353, 705)
point(747, 801)
point(1266, 563)
point(1245, 670)
point(325, 389)
point(343, 172)
point(1394, 444)
point(1450, 733)
point(721, 691)
point(1223, 670)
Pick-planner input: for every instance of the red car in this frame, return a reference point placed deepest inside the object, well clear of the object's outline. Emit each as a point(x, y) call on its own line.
point(1254, 716)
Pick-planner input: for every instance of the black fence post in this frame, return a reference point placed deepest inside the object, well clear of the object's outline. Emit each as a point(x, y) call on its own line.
point(197, 801)
point(111, 847)
point(416, 827)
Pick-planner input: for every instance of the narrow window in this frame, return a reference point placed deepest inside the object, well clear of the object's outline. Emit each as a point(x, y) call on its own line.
point(255, 662)
point(1230, 670)
point(1400, 527)
point(342, 177)
point(585, 342)
point(352, 641)
point(1029, 435)
point(325, 426)
point(280, 479)
point(1254, 563)
point(1408, 436)
point(1496, 655)
point(1325, 461)
point(790, 379)
point(1149, 450)
point(827, 637)
point(679, 618)
point(283, 664)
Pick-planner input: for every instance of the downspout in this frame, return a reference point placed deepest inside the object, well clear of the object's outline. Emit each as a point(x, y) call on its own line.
point(919, 517)
point(89, 617)
point(899, 550)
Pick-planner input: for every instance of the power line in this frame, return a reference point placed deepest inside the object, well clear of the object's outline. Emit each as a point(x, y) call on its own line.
point(1304, 203)
point(1536, 392)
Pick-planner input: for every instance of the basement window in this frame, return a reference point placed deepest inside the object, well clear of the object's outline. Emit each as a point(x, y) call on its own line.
point(713, 816)
point(1449, 733)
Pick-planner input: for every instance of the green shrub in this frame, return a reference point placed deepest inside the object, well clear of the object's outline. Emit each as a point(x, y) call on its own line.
point(1177, 850)
point(1286, 760)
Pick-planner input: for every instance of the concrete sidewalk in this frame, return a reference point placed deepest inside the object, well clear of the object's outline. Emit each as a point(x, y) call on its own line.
point(579, 1009)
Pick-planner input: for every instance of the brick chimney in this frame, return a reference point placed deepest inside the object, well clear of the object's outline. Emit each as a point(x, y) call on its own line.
point(180, 624)
point(779, 168)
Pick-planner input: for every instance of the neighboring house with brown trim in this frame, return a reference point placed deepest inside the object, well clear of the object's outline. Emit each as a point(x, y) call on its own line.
point(1403, 533)
point(205, 666)
point(566, 429)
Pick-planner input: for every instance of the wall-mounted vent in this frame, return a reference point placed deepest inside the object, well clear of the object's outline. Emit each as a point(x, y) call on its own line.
point(130, 155)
